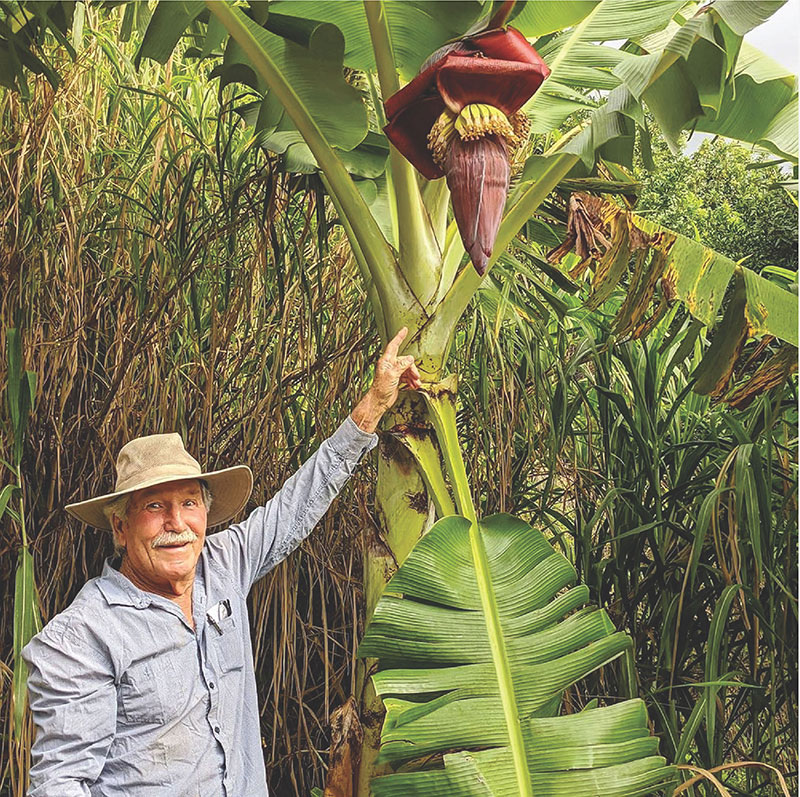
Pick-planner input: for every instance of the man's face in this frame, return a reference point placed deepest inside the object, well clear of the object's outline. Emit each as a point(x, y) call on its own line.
point(163, 532)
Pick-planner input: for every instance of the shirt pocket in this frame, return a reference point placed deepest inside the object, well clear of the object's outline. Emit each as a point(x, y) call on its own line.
point(139, 694)
point(153, 691)
point(227, 644)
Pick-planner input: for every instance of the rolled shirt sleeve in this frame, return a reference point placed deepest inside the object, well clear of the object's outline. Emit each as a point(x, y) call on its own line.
point(271, 532)
point(73, 699)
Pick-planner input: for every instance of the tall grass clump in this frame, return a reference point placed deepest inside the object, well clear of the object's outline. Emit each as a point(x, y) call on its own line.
point(164, 274)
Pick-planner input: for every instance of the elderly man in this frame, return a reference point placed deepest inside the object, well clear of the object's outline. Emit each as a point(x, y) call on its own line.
point(144, 685)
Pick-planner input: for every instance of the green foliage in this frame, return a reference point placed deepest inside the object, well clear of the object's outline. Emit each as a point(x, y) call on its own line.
point(20, 397)
point(725, 197)
point(23, 33)
point(679, 512)
point(662, 499)
point(177, 278)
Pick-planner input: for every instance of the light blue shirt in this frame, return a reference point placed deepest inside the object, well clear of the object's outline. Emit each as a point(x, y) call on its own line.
point(129, 700)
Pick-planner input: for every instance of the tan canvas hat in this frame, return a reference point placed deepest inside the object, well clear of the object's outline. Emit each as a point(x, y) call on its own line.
point(159, 458)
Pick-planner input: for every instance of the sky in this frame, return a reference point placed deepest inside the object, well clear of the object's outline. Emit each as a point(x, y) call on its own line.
point(779, 35)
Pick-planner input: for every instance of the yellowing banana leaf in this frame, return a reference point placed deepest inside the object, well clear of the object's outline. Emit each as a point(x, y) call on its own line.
point(772, 373)
point(453, 687)
point(662, 265)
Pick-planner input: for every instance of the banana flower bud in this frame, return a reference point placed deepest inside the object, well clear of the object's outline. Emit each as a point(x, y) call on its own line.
point(460, 118)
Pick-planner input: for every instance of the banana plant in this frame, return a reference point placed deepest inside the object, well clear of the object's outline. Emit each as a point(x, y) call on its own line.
point(456, 118)
point(479, 633)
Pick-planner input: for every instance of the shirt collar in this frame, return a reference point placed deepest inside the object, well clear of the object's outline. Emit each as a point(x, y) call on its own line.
point(118, 590)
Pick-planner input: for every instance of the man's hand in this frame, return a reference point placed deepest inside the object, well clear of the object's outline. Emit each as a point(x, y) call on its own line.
point(392, 373)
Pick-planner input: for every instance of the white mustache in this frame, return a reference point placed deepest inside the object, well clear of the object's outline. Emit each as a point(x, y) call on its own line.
point(171, 538)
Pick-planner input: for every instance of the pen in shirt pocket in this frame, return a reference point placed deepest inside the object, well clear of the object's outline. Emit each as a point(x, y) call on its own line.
point(218, 612)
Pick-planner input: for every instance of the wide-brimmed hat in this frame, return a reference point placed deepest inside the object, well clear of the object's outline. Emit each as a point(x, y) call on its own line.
point(159, 458)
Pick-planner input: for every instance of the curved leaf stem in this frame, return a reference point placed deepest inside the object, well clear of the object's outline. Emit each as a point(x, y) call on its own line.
point(420, 256)
point(363, 266)
point(381, 117)
point(397, 299)
point(427, 457)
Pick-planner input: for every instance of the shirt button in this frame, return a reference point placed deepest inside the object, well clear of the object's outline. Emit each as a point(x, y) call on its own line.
point(216, 729)
point(211, 684)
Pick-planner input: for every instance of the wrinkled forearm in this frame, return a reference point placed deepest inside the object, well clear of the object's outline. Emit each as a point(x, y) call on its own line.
point(274, 530)
point(368, 413)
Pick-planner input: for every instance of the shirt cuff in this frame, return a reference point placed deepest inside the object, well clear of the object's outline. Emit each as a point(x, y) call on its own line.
point(350, 441)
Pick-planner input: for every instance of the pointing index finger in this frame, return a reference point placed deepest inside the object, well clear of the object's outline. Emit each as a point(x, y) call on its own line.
point(393, 345)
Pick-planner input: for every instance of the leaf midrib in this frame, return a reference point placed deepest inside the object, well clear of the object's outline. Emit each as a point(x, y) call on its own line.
point(443, 416)
point(497, 644)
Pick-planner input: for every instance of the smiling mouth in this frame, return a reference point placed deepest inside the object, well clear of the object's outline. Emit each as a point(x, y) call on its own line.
point(174, 545)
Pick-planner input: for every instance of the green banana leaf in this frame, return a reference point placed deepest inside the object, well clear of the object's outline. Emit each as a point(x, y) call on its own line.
point(446, 679)
point(23, 28)
point(165, 28)
point(701, 73)
point(577, 61)
point(759, 105)
point(418, 27)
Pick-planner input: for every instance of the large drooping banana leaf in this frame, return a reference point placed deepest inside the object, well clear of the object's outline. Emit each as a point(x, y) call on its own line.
point(661, 265)
point(470, 686)
point(759, 105)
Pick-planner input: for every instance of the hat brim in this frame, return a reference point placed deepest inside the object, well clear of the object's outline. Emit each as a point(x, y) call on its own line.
point(231, 488)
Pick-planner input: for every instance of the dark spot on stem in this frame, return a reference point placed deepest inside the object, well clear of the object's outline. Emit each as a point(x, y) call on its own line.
point(418, 502)
point(392, 450)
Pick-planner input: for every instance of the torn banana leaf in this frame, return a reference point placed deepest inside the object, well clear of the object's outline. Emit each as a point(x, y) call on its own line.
point(770, 374)
point(661, 266)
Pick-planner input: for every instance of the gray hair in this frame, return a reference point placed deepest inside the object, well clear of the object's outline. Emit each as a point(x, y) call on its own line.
point(118, 507)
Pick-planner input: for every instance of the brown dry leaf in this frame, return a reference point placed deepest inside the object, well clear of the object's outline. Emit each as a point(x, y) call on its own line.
point(709, 775)
point(586, 232)
point(770, 374)
point(346, 740)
